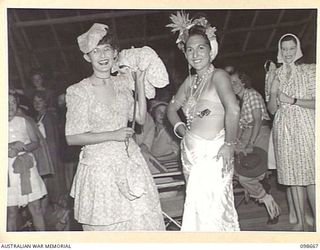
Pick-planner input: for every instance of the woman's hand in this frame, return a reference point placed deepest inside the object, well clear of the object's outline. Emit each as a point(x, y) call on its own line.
point(12, 152)
point(18, 145)
point(249, 148)
point(144, 148)
point(182, 130)
point(123, 134)
point(275, 86)
point(227, 154)
point(284, 98)
point(239, 147)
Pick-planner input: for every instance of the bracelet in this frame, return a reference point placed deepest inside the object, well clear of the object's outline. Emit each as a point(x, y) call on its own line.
point(175, 128)
point(229, 144)
point(294, 101)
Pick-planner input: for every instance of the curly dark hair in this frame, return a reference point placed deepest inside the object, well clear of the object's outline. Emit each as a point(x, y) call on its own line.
point(245, 79)
point(288, 38)
point(111, 39)
point(198, 30)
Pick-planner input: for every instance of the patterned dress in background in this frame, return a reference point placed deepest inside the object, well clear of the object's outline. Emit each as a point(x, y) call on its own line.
point(294, 128)
point(112, 191)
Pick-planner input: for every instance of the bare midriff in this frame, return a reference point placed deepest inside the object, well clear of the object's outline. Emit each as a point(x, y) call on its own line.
point(207, 127)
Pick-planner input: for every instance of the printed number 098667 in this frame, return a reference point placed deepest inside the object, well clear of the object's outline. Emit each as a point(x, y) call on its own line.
point(308, 245)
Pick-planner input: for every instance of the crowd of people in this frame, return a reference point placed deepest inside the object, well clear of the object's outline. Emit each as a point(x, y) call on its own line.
point(80, 143)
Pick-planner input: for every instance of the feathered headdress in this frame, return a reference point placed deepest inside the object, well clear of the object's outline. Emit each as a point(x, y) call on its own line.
point(182, 23)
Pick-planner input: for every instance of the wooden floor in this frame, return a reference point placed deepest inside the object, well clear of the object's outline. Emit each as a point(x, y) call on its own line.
point(253, 216)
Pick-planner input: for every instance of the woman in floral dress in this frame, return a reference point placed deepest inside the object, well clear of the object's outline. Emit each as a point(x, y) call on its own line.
point(113, 188)
point(292, 100)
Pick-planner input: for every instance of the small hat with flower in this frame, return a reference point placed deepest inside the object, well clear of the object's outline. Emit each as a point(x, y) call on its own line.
point(89, 40)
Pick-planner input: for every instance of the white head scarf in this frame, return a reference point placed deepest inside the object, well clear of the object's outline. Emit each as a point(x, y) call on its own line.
point(214, 49)
point(298, 53)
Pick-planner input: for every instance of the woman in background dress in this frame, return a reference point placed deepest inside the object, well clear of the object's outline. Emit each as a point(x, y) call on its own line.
point(292, 100)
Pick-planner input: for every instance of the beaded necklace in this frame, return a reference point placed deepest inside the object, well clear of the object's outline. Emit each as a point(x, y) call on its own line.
point(195, 92)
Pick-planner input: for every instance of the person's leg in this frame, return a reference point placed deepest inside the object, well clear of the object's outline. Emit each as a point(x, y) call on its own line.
point(256, 190)
point(292, 213)
point(298, 202)
point(252, 185)
point(12, 214)
point(311, 193)
point(70, 169)
point(37, 215)
point(44, 201)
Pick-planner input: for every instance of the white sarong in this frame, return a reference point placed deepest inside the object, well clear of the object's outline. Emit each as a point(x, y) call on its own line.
point(209, 204)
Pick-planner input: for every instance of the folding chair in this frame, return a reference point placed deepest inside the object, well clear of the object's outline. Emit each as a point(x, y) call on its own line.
point(170, 178)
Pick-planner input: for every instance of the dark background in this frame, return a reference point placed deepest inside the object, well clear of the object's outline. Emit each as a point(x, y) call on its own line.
point(46, 39)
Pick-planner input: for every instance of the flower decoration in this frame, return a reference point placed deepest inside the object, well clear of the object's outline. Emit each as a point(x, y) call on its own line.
point(182, 24)
point(201, 21)
point(211, 33)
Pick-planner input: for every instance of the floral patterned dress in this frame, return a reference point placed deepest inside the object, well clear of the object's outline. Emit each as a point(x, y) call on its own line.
point(294, 128)
point(112, 191)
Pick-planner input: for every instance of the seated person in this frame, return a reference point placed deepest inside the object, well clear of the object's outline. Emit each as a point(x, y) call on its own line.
point(254, 132)
point(156, 137)
point(164, 146)
point(157, 142)
point(144, 137)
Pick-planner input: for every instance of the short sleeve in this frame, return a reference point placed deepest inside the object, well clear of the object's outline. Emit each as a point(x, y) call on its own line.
point(77, 117)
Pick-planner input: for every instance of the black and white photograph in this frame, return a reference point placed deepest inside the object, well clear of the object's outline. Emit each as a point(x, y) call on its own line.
point(153, 120)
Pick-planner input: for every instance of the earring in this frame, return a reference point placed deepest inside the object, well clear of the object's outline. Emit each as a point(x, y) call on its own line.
point(189, 72)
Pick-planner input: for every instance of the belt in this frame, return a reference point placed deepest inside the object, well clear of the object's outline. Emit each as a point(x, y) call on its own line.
point(263, 123)
point(266, 123)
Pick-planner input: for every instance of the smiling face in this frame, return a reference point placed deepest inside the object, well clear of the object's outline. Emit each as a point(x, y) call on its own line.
point(237, 85)
point(288, 51)
point(101, 58)
point(198, 52)
point(13, 107)
point(39, 104)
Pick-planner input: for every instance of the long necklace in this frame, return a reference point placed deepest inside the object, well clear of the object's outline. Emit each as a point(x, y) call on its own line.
point(198, 80)
point(196, 90)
